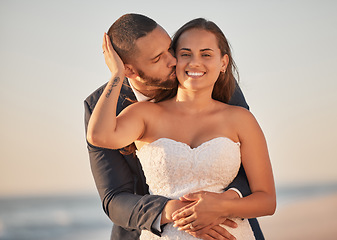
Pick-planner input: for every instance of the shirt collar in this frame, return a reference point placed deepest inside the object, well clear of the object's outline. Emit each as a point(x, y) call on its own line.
point(139, 96)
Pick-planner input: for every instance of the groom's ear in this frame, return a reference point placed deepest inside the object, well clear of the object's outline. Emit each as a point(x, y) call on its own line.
point(130, 71)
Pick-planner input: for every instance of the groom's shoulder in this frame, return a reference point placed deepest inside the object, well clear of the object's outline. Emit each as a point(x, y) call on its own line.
point(92, 99)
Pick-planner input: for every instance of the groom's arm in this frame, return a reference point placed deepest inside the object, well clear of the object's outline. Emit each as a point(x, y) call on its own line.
point(240, 183)
point(115, 183)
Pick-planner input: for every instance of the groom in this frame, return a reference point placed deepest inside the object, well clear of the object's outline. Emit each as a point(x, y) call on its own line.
point(119, 178)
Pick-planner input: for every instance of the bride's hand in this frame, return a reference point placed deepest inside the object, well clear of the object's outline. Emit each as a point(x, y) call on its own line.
point(204, 212)
point(112, 59)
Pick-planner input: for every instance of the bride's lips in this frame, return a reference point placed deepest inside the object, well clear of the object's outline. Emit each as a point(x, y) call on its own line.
point(195, 74)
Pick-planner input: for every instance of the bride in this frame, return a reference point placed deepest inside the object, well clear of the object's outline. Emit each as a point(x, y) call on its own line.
point(192, 130)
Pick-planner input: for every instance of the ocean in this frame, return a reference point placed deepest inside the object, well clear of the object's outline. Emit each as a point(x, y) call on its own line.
point(81, 217)
point(53, 217)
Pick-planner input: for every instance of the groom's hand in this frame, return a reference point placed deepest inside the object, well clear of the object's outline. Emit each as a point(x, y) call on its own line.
point(170, 207)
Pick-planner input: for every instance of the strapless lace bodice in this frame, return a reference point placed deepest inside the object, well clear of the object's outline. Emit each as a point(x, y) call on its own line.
point(173, 169)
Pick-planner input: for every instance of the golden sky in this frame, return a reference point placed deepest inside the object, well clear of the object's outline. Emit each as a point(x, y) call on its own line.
point(51, 59)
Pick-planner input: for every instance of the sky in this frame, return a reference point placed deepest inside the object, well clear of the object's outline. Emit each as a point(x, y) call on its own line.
point(51, 60)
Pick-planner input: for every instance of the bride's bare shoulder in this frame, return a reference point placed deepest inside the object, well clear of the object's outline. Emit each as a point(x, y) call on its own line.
point(238, 110)
point(239, 114)
point(143, 105)
point(144, 108)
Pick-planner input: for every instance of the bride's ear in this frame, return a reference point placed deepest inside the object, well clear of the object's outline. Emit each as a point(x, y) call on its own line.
point(225, 60)
point(130, 71)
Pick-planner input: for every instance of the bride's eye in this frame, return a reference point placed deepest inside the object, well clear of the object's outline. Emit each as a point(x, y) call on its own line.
point(184, 54)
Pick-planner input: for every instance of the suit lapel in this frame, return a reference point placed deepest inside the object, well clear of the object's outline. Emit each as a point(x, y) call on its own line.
point(126, 96)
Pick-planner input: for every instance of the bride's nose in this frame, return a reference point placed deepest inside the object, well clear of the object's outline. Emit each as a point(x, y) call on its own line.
point(194, 61)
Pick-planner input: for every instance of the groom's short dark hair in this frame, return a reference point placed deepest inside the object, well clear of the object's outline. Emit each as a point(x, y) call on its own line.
point(126, 30)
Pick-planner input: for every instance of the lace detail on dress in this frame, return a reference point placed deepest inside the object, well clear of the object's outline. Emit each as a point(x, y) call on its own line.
point(173, 169)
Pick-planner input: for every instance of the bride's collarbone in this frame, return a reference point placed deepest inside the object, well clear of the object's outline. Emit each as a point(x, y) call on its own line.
point(188, 128)
point(185, 125)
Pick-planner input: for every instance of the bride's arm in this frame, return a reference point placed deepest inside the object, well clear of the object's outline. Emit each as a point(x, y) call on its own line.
point(256, 162)
point(104, 128)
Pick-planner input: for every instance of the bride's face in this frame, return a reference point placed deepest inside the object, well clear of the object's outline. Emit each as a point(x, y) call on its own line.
point(199, 59)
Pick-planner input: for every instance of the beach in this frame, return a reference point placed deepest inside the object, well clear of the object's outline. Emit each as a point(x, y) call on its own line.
point(304, 212)
point(310, 219)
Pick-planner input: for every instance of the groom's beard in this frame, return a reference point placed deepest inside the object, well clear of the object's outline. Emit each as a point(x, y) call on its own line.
point(168, 83)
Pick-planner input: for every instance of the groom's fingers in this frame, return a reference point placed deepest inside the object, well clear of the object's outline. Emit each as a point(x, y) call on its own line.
point(185, 224)
point(230, 223)
point(186, 219)
point(223, 233)
point(183, 199)
point(183, 212)
point(220, 232)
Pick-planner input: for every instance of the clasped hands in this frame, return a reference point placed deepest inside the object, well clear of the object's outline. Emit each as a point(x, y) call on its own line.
point(201, 215)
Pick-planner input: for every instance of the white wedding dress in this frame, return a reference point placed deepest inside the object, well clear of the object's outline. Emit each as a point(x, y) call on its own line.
point(173, 169)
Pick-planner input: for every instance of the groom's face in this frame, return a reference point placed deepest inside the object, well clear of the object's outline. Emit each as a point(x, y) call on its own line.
point(154, 62)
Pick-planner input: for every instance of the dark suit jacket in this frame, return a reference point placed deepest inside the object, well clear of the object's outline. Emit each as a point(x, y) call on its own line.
point(121, 182)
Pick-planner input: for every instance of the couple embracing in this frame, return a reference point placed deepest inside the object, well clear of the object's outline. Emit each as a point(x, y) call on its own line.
point(171, 154)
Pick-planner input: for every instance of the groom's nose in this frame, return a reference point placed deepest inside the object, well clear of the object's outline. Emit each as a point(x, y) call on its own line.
point(172, 61)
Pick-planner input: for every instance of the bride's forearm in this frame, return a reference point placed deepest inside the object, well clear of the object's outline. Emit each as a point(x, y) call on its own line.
point(255, 205)
point(102, 122)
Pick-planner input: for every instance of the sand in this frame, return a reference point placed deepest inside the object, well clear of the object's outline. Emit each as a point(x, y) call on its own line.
point(311, 219)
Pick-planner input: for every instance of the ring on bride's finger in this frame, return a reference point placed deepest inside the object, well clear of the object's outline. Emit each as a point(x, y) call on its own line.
point(191, 226)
